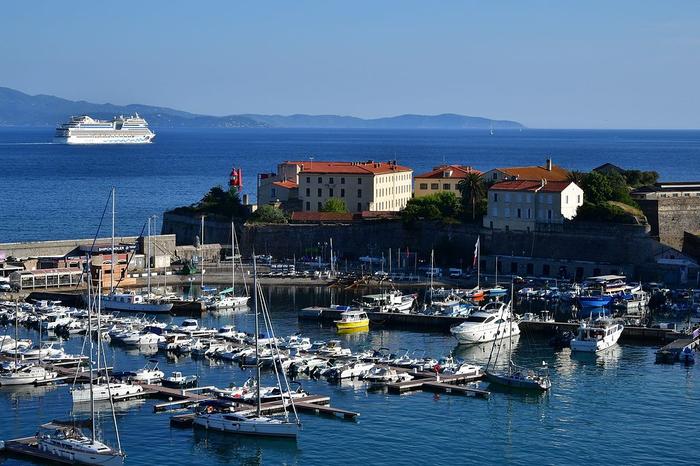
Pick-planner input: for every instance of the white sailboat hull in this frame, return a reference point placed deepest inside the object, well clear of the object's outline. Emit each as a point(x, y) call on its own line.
point(85, 455)
point(485, 333)
point(256, 426)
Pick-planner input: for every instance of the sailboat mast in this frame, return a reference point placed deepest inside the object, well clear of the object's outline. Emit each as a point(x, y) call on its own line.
point(148, 257)
point(201, 255)
point(111, 262)
point(16, 329)
point(92, 395)
point(233, 260)
point(478, 263)
point(257, 332)
point(510, 329)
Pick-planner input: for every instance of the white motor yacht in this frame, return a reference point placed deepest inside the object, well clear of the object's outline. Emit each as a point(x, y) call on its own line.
point(102, 391)
point(598, 336)
point(27, 375)
point(492, 321)
point(149, 374)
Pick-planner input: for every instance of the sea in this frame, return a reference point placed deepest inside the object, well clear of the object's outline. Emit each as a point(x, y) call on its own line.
point(618, 407)
point(52, 191)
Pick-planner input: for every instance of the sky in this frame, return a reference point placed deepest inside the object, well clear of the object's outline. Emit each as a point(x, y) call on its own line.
point(546, 64)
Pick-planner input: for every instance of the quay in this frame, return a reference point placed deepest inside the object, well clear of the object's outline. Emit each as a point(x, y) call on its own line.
point(444, 323)
point(671, 352)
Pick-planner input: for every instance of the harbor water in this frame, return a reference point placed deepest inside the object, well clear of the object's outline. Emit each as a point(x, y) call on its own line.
point(51, 191)
point(617, 407)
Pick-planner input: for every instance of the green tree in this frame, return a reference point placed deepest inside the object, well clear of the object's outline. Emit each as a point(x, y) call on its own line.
point(596, 188)
point(473, 190)
point(443, 206)
point(269, 214)
point(334, 204)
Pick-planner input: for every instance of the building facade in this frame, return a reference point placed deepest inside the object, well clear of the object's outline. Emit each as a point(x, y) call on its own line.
point(443, 178)
point(362, 186)
point(523, 205)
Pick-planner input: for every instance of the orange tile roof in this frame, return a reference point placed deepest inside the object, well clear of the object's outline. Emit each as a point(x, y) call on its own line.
point(532, 186)
point(286, 184)
point(352, 168)
point(458, 171)
point(537, 173)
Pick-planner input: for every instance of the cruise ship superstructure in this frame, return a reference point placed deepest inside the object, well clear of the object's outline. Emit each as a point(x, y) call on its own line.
point(120, 130)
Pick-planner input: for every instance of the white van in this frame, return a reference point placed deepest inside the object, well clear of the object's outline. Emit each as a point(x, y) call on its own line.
point(455, 273)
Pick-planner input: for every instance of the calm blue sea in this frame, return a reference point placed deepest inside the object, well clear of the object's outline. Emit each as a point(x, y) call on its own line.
point(50, 191)
point(615, 408)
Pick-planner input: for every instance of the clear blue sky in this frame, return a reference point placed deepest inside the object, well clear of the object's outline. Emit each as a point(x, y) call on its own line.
point(553, 64)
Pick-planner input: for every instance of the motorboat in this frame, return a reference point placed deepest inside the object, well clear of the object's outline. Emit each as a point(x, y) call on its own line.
point(487, 324)
point(133, 302)
point(597, 336)
point(351, 320)
point(392, 301)
point(103, 391)
point(149, 374)
point(177, 380)
point(176, 342)
point(27, 375)
point(382, 375)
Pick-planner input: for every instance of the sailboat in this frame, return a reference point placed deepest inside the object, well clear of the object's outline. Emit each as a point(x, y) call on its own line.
point(512, 375)
point(222, 416)
point(132, 302)
point(227, 298)
point(68, 443)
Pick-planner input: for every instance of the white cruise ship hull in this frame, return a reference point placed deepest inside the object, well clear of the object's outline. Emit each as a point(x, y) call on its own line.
point(116, 139)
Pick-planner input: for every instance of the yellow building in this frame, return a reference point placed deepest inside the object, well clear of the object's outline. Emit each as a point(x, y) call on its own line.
point(442, 178)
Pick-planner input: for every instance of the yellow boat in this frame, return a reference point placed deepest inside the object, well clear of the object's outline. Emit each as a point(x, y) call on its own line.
point(351, 320)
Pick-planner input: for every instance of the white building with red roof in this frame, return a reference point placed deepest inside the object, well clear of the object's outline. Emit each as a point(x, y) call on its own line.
point(442, 178)
point(524, 204)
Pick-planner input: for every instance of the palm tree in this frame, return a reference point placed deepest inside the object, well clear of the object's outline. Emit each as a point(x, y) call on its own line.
point(472, 189)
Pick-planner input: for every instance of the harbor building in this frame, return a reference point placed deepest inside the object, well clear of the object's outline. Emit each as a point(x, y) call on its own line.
point(672, 210)
point(548, 171)
point(531, 205)
point(282, 187)
point(443, 178)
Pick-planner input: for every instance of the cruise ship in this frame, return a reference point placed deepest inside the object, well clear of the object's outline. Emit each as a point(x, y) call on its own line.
point(120, 130)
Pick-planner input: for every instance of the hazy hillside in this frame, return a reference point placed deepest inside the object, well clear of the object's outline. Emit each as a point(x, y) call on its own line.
point(20, 109)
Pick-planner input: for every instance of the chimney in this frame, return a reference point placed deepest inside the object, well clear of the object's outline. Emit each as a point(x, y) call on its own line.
point(549, 165)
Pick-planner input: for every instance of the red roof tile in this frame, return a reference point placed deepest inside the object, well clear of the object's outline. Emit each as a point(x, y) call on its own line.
point(286, 184)
point(457, 171)
point(532, 186)
point(536, 173)
point(322, 216)
point(351, 168)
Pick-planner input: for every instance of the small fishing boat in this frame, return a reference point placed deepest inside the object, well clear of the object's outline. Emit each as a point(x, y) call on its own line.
point(382, 375)
point(351, 320)
point(27, 375)
point(149, 374)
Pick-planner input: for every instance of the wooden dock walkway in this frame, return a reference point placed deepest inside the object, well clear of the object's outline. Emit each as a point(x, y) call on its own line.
point(455, 389)
point(671, 352)
point(420, 383)
point(316, 404)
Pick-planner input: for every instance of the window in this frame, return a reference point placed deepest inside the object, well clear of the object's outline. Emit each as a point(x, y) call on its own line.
point(359, 207)
point(342, 180)
point(549, 214)
point(545, 270)
point(308, 192)
point(359, 193)
point(330, 180)
point(446, 186)
point(320, 206)
point(495, 197)
point(529, 213)
point(273, 193)
point(434, 185)
point(513, 268)
point(530, 269)
point(330, 192)
point(320, 179)
point(308, 179)
point(308, 205)
point(578, 199)
point(507, 197)
point(424, 186)
point(342, 192)
point(320, 192)
point(359, 181)
point(519, 214)
point(549, 198)
point(494, 212)
point(506, 212)
point(491, 225)
point(494, 176)
point(566, 199)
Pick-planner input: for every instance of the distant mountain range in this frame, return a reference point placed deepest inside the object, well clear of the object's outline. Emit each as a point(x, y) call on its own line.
point(20, 109)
